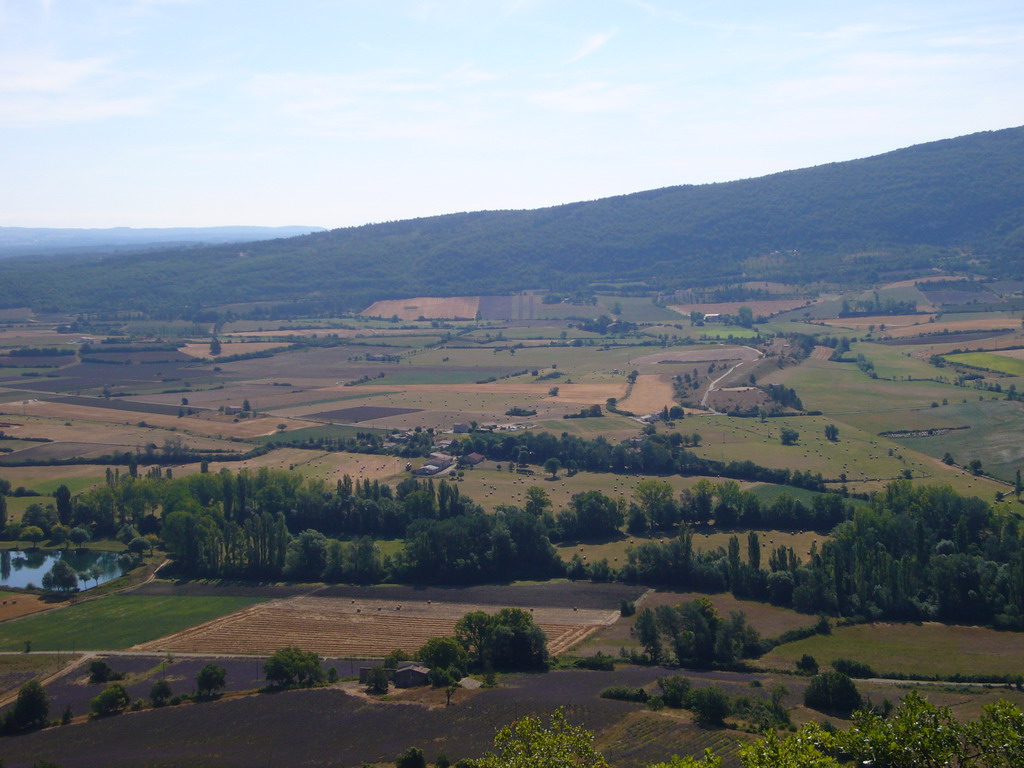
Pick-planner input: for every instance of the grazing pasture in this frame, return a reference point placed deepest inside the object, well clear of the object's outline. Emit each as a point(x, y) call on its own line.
point(921, 649)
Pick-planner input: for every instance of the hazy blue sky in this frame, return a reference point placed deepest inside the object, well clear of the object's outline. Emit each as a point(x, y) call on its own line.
point(338, 112)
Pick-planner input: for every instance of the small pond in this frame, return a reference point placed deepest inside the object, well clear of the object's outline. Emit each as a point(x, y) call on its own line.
point(24, 567)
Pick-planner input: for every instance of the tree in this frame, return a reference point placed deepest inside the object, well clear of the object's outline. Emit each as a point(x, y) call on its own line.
point(113, 699)
point(553, 392)
point(101, 672)
point(210, 680)
point(3, 512)
point(291, 666)
point(443, 653)
point(537, 500)
point(78, 536)
point(832, 692)
point(710, 705)
point(32, 533)
point(831, 432)
point(653, 496)
point(788, 436)
point(215, 348)
point(377, 681)
point(62, 577)
point(745, 317)
point(160, 693)
point(30, 709)
point(138, 545)
point(62, 498)
point(648, 634)
point(552, 465)
point(527, 743)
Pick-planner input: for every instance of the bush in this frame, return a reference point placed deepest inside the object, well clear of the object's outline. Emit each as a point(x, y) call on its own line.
point(807, 665)
point(411, 758)
point(675, 691)
point(625, 693)
point(710, 705)
point(852, 668)
point(626, 608)
point(101, 672)
point(832, 692)
point(113, 699)
point(160, 693)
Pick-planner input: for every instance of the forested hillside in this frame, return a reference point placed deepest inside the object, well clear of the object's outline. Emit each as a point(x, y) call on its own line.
point(957, 203)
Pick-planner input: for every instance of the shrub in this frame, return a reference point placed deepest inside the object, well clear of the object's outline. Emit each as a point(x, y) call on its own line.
point(101, 672)
point(852, 668)
point(113, 699)
point(832, 692)
point(710, 705)
point(625, 693)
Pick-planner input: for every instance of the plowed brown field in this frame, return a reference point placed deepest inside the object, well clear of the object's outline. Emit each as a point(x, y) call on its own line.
point(357, 628)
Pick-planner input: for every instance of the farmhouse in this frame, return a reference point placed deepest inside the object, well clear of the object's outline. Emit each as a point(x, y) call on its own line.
point(410, 676)
point(473, 458)
point(461, 429)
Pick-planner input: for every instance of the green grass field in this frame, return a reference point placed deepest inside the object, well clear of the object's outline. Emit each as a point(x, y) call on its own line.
point(923, 649)
point(986, 360)
point(115, 622)
point(993, 437)
point(332, 431)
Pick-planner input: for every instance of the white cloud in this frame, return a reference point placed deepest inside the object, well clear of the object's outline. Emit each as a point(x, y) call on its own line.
point(592, 44)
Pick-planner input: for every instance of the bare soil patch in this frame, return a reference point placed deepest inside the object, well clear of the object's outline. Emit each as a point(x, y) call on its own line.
point(357, 628)
point(430, 308)
point(650, 394)
point(955, 326)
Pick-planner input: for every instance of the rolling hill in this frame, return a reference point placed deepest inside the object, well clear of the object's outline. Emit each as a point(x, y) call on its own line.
point(952, 204)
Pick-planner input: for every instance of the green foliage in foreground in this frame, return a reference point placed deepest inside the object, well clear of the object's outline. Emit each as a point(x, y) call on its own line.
point(915, 734)
point(115, 622)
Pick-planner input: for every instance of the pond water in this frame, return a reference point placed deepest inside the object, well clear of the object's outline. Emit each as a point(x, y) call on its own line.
point(21, 568)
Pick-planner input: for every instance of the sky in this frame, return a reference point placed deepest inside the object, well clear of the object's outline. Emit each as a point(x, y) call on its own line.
point(158, 113)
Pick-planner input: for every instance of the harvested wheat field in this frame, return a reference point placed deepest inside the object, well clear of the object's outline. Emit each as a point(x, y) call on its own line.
point(822, 353)
point(348, 628)
point(889, 321)
point(202, 350)
point(427, 307)
point(650, 394)
point(210, 424)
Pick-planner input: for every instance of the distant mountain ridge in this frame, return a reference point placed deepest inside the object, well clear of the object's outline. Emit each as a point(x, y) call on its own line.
point(951, 204)
point(27, 241)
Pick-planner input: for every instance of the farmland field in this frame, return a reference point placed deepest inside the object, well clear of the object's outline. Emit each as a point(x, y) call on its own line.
point(989, 361)
point(923, 649)
point(427, 307)
point(357, 628)
point(114, 622)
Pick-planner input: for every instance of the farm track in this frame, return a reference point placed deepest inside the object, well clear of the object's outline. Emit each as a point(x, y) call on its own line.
point(356, 628)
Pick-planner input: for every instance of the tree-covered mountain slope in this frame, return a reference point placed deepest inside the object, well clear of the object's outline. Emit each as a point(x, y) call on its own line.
point(957, 203)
